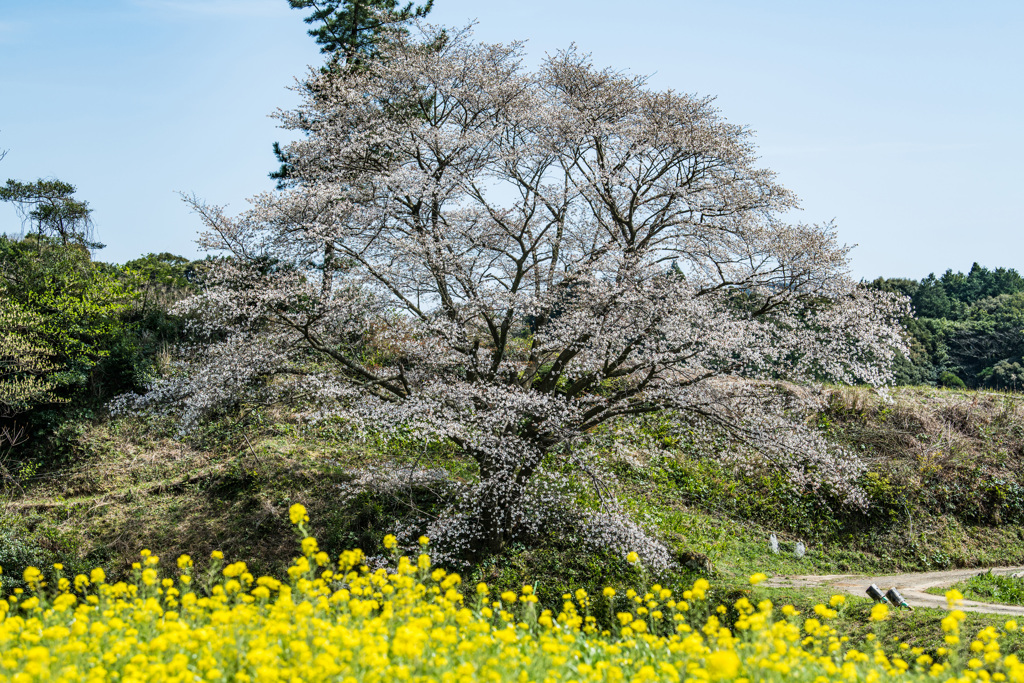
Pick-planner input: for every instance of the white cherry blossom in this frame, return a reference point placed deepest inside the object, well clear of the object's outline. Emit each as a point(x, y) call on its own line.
point(506, 259)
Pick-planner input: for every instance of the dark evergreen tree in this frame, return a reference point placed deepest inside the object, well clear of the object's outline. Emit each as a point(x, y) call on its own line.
point(966, 329)
point(931, 300)
point(349, 31)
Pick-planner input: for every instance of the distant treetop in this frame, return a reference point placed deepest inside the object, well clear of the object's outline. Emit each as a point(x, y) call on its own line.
point(950, 295)
point(353, 28)
point(50, 208)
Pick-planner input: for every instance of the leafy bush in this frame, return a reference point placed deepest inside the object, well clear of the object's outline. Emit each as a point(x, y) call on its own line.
point(23, 545)
point(74, 332)
point(951, 381)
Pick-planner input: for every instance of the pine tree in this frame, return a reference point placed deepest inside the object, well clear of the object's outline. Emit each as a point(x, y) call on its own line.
point(353, 28)
point(350, 31)
point(50, 207)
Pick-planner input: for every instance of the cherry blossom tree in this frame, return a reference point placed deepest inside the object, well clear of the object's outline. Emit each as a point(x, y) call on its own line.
point(520, 257)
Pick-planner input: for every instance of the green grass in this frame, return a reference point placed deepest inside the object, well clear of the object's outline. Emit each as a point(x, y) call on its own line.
point(131, 486)
point(989, 587)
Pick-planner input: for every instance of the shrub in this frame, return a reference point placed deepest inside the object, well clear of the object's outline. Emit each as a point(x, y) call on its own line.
point(951, 381)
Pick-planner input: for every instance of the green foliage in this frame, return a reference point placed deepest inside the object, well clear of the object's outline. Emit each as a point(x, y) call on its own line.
point(76, 305)
point(162, 280)
point(968, 330)
point(74, 332)
point(951, 381)
point(989, 587)
point(354, 28)
point(25, 361)
point(31, 541)
point(173, 274)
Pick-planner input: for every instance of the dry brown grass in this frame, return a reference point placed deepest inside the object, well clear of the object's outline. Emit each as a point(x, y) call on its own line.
point(947, 451)
point(907, 424)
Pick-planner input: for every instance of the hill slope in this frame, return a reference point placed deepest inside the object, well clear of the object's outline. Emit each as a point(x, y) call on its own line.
point(945, 479)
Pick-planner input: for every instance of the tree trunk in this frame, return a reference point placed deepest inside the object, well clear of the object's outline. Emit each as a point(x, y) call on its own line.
point(327, 284)
point(496, 498)
point(499, 496)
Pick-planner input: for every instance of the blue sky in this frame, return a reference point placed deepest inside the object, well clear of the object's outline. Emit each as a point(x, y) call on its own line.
point(901, 120)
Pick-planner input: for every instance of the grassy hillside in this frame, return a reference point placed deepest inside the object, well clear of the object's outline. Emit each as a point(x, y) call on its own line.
point(945, 479)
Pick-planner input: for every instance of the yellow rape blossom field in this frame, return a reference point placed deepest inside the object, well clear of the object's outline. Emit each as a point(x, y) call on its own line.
point(336, 620)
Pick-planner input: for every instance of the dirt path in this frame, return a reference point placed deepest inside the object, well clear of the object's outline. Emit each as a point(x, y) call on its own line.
point(911, 586)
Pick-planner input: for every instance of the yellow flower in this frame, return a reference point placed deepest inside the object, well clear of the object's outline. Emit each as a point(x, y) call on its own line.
point(632, 558)
point(953, 598)
point(297, 514)
point(407, 625)
point(837, 600)
point(97, 575)
point(424, 541)
point(390, 542)
point(757, 578)
point(723, 664)
point(234, 570)
point(184, 562)
point(1010, 625)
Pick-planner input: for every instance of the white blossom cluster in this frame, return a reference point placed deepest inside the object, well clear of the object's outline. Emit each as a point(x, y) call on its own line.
point(547, 507)
point(617, 532)
point(507, 259)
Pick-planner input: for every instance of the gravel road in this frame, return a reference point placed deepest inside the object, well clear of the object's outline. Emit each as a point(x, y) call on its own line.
point(911, 586)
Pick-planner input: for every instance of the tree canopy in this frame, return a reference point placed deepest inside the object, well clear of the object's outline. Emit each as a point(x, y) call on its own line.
point(521, 257)
point(50, 208)
point(353, 29)
point(968, 329)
